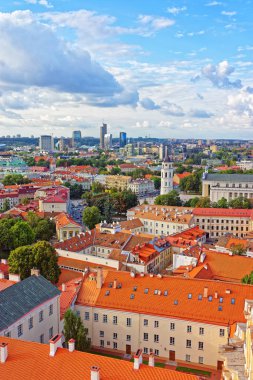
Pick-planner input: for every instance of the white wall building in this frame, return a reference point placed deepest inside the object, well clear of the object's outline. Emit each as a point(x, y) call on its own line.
point(141, 186)
point(166, 176)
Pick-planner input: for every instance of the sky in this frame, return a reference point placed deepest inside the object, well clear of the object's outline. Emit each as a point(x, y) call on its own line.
point(158, 68)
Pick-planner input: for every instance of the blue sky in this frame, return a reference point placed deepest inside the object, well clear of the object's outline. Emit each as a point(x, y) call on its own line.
point(162, 68)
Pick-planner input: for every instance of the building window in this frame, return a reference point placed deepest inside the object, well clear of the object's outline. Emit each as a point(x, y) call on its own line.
point(201, 331)
point(156, 324)
point(87, 316)
point(42, 338)
point(115, 345)
point(187, 358)
point(145, 350)
point(188, 343)
point(128, 338)
point(201, 360)
point(156, 338)
point(41, 316)
point(157, 352)
point(105, 318)
point(30, 323)
point(129, 322)
point(145, 322)
point(96, 317)
point(51, 332)
point(102, 343)
point(101, 334)
point(20, 330)
point(51, 310)
point(172, 326)
point(201, 346)
point(222, 332)
point(115, 336)
point(115, 320)
point(172, 341)
point(145, 336)
point(189, 329)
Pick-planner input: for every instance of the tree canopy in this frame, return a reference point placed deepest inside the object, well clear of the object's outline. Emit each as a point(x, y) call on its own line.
point(91, 216)
point(74, 329)
point(248, 279)
point(170, 199)
point(15, 179)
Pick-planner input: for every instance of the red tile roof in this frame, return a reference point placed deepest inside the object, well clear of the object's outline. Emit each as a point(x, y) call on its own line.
point(236, 213)
point(63, 220)
point(69, 294)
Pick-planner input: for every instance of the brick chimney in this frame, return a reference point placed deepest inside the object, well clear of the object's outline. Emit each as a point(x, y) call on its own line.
point(205, 294)
point(138, 359)
point(99, 278)
point(72, 345)
point(151, 360)
point(14, 277)
point(3, 352)
point(94, 373)
point(1, 275)
point(35, 272)
point(55, 343)
point(115, 284)
point(63, 287)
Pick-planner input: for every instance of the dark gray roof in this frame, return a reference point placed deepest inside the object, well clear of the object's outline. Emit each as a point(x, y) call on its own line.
point(229, 177)
point(22, 297)
point(167, 159)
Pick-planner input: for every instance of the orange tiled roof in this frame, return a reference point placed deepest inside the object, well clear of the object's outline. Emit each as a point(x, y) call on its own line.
point(80, 265)
point(63, 219)
point(131, 224)
point(205, 310)
point(4, 283)
point(236, 213)
point(30, 360)
point(68, 295)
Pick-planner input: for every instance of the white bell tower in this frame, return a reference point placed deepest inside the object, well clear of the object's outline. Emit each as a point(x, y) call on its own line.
point(166, 176)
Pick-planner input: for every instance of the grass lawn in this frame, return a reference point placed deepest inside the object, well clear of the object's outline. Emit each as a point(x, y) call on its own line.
point(193, 370)
point(161, 365)
point(108, 355)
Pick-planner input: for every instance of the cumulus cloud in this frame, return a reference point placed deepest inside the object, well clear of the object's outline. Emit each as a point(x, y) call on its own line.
point(172, 109)
point(219, 75)
point(227, 13)
point(213, 4)
point(153, 24)
point(32, 54)
point(44, 3)
point(149, 104)
point(176, 10)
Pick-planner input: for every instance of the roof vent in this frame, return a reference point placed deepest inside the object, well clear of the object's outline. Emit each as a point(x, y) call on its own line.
point(107, 293)
point(228, 291)
point(175, 302)
point(95, 373)
point(132, 296)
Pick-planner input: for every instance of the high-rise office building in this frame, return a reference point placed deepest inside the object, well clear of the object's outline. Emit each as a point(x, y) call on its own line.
point(122, 139)
point(76, 137)
point(46, 143)
point(103, 132)
point(108, 141)
point(163, 151)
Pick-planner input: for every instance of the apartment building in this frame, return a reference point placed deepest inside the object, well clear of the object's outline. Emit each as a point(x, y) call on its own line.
point(219, 221)
point(11, 197)
point(177, 319)
point(162, 220)
point(23, 360)
point(228, 186)
point(119, 182)
point(30, 310)
point(66, 227)
point(141, 186)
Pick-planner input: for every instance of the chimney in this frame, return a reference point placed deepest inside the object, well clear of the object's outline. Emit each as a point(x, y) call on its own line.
point(55, 343)
point(35, 272)
point(151, 360)
point(14, 277)
point(115, 284)
point(99, 278)
point(94, 373)
point(1, 275)
point(72, 345)
point(216, 294)
point(205, 292)
point(3, 352)
point(138, 359)
point(63, 287)
point(4, 261)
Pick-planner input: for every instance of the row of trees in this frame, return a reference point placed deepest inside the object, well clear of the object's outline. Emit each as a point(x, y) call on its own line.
point(15, 179)
point(15, 233)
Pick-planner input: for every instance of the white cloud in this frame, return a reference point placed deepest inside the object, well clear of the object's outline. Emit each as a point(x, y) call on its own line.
point(219, 75)
point(176, 10)
point(200, 114)
point(227, 13)
point(213, 4)
point(44, 3)
point(171, 109)
point(149, 104)
point(153, 24)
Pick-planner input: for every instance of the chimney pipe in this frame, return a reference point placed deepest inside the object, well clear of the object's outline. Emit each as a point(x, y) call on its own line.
point(138, 359)
point(55, 343)
point(63, 287)
point(115, 284)
point(35, 272)
point(72, 345)
point(3, 352)
point(94, 373)
point(99, 278)
point(205, 292)
point(1, 275)
point(151, 360)
point(4, 261)
point(216, 294)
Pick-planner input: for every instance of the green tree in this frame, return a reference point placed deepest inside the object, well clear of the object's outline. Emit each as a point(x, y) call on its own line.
point(22, 234)
point(204, 202)
point(6, 205)
point(76, 190)
point(192, 183)
point(115, 171)
point(97, 188)
point(157, 182)
point(222, 203)
point(192, 202)
point(5, 233)
point(239, 202)
point(41, 256)
point(91, 216)
point(108, 210)
point(170, 199)
point(238, 250)
point(74, 329)
point(44, 229)
point(14, 179)
point(248, 279)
